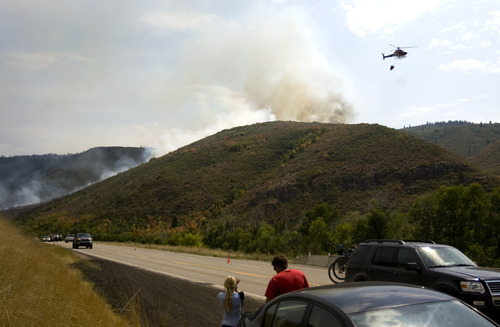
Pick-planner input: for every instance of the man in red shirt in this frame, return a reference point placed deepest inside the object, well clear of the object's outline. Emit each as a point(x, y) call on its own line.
point(286, 280)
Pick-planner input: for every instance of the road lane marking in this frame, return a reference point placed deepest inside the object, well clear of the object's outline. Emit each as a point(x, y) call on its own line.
point(251, 266)
point(258, 297)
point(194, 265)
point(214, 268)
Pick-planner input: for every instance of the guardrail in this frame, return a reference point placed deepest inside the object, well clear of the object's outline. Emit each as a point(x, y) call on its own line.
point(315, 260)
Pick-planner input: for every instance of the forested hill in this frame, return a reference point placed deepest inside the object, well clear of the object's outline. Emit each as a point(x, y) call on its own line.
point(26, 180)
point(478, 143)
point(270, 173)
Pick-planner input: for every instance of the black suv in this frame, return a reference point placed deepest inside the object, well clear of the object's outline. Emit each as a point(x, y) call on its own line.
point(82, 239)
point(441, 267)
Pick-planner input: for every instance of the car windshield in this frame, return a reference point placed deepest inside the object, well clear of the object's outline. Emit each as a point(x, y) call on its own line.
point(435, 314)
point(443, 257)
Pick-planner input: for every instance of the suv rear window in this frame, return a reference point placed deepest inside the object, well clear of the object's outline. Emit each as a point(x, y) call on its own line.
point(359, 255)
point(384, 256)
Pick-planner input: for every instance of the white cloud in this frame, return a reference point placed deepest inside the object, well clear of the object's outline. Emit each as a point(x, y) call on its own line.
point(39, 61)
point(485, 43)
point(495, 21)
point(471, 66)
point(365, 17)
point(181, 21)
point(453, 28)
point(439, 43)
point(492, 24)
point(468, 36)
point(438, 111)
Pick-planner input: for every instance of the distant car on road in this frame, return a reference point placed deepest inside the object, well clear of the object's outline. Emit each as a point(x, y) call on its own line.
point(46, 238)
point(69, 238)
point(82, 239)
point(56, 237)
point(366, 304)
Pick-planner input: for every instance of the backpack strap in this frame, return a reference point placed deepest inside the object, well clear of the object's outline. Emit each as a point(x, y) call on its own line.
point(242, 297)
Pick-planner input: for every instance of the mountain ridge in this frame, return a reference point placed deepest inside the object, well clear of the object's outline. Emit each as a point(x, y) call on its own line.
point(477, 143)
point(272, 172)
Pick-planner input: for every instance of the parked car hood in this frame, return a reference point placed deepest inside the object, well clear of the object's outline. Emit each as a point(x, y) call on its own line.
point(485, 273)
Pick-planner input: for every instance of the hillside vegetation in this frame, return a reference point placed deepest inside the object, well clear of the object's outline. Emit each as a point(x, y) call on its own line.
point(478, 143)
point(262, 188)
point(38, 287)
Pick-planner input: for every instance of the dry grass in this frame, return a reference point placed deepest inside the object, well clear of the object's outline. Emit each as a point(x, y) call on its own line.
point(38, 287)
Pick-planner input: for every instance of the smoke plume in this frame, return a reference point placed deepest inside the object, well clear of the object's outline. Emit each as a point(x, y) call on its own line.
point(26, 180)
point(271, 64)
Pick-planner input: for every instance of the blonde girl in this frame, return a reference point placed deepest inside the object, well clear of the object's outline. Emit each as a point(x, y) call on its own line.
point(231, 300)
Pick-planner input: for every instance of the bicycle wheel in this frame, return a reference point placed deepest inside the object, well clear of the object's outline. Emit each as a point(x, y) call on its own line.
point(339, 268)
point(331, 274)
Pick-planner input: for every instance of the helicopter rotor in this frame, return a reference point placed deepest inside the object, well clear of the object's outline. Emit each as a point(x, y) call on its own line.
point(402, 47)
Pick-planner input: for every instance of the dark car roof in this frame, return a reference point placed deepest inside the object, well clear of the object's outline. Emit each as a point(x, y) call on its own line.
point(420, 245)
point(402, 243)
point(363, 296)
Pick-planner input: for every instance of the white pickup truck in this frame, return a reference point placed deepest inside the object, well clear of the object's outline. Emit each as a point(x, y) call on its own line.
point(69, 238)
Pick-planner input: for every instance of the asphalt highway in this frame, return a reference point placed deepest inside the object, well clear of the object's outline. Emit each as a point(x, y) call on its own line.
point(254, 275)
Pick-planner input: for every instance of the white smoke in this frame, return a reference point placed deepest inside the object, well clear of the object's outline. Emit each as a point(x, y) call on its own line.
point(159, 73)
point(26, 180)
point(272, 63)
point(266, 68)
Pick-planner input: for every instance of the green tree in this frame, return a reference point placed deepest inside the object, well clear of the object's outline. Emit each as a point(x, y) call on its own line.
point(462, 212)
point(246, 242)
point(190, 239)
point(423, 216)
point(329, 216)
point(494, 221)
point(462, 217)
point(378, 223)
point(319, 236)
point(476, 209)
point(294, 242)
point(343, 234)
point(265, 238)
point(361, 231)
point(398, 226)
point(324, 210)
point(214, 234)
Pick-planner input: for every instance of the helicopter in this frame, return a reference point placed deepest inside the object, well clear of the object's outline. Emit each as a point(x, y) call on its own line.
point(398, 53)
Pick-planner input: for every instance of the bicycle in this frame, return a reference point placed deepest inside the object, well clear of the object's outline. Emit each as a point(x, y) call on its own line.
point(338, 268)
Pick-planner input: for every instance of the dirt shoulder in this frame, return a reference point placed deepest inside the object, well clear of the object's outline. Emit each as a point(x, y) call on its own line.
point(156, 299)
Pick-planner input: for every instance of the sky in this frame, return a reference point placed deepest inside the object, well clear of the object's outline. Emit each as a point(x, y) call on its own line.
point(79, 74)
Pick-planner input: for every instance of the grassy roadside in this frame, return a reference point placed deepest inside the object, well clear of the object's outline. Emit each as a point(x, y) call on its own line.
point(46, 285)
point(38, 287)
